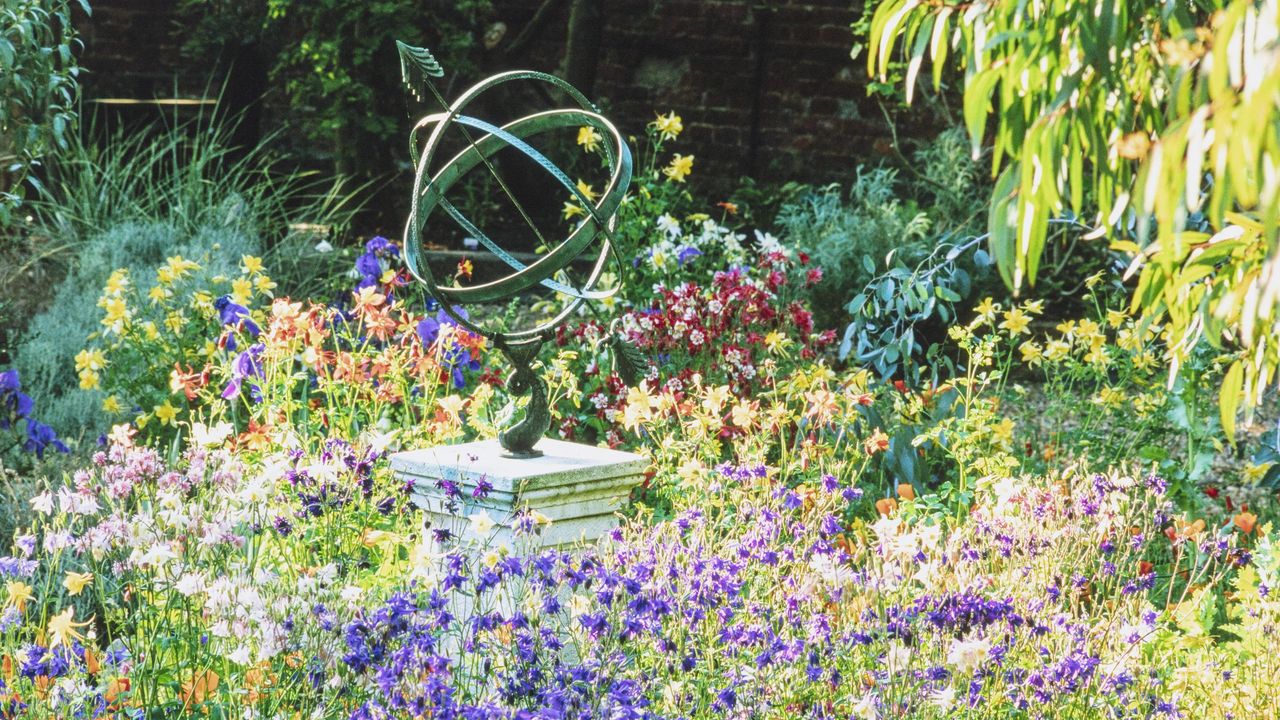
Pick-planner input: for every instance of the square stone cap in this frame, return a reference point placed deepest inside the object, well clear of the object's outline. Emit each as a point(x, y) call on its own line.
point(561, 463)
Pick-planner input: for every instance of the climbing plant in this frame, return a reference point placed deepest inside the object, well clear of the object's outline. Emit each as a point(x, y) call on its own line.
point(1157, 120)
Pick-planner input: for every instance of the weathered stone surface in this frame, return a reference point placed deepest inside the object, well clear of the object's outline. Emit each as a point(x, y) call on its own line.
point(579, 487)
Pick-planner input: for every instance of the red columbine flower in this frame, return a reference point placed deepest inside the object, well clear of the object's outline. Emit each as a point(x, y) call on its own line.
point(876, 443)
point(464, 269)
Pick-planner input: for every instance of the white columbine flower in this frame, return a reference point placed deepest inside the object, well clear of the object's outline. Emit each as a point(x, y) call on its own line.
point(206, 436)
point(968, 655)
point(943, 699)
point(157, 555)
point(189, 584)
point(866, 708)
point(481, 523)
point(579, 604)
point(43, 503)
point(670, 226)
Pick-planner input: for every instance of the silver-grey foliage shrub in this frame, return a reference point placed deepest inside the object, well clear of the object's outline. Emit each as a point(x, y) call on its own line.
point(46, 352)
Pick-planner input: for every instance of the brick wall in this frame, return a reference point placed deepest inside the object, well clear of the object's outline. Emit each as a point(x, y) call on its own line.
point(766, 88)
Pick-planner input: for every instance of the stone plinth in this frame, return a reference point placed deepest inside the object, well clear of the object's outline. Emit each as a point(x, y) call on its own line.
point(579, 487)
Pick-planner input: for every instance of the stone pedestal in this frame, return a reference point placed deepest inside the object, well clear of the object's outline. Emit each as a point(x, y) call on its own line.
point(579, 487)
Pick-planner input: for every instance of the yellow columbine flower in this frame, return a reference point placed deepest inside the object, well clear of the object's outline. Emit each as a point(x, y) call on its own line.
point(1144, 361)
point(89, 380)
point(669, 126)
point(250, 264)
point(589, 138)
point(63, 628)
point(1055, 350)
point(776, 342)
point(1087, 328)
point(987, 309)
point(150, 330)
point(75, 582)
point(679, 169)
point(714, 398)
point(1097, 355)
point(202, 299)
point(111, 404)
point(1015, 321)
point(115, 313)
point(90, 360)
point(1033, 307)
point(1094, 279)
point(175, 322)
point(1031, 352)
point(158, 294)
point(1003, 431)
point(1116, 318)
point(20, 594)
point(117, 282)
point(1110, 397)
point(452, 405)
point(180, 266)
point(164, 275)
point(264, 285)
point(587, 191)
point(571, 211)
point(166, 413)
point(241, 291)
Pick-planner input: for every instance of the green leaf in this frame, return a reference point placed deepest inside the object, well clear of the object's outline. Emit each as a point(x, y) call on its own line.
point(977, 102)
point(1002, 223)
point(1229, 398)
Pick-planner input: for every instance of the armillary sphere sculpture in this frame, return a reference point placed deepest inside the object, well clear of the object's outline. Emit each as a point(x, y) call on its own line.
point(433, 180)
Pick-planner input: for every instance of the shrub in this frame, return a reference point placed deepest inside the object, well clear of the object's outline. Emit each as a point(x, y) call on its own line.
point(46, 354)
point(851, 237)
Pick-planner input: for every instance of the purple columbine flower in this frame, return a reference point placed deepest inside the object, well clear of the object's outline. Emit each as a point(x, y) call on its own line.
point(247, 366)
point(235, 315)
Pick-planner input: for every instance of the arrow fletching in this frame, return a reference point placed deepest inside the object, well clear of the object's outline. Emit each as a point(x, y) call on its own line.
point(416, 65)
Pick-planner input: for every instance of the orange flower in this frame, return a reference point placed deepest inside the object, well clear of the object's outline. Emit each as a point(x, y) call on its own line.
point(731, 208)
point(188, 382)
point(199, 688)
point(115, 688)
point(876, 443)
point(886, 506)
point(368, 298)
point(1245, 521)
point(91, 661)
point(906, 492)
point(255, 437)
point(1182, 530)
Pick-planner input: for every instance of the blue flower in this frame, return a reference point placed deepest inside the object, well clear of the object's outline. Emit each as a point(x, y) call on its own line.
point(687, 253)
point(232, 314)
point(14, 404)
point(247, 365)
point(40, 437)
